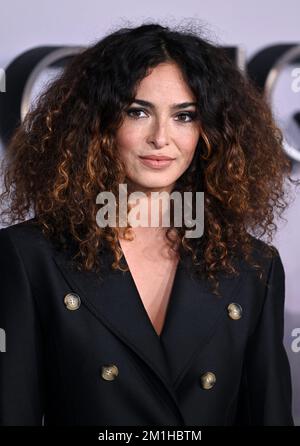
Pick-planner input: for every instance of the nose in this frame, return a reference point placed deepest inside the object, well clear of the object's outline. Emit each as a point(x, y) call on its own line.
point(159, 133)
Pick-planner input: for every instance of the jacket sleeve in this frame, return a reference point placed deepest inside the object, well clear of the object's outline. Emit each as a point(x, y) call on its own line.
point(267, 392)
point(21, 364)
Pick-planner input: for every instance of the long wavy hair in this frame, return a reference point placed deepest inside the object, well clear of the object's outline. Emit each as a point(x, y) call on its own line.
point(64, 153)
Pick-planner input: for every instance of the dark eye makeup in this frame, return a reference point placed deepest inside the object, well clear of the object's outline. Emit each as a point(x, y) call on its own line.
point(132, 112)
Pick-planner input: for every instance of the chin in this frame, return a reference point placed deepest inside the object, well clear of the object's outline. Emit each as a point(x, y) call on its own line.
point(154, 186)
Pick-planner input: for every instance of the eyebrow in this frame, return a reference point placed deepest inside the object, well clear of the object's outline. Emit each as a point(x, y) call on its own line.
point(173, 106)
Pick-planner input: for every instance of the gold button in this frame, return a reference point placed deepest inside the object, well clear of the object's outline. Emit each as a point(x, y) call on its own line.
point(208, 380)
point(72, 301)
point(109, 372)
point(235, 311)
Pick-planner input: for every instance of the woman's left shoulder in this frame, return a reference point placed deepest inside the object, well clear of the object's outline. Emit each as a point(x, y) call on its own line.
point(263, 285)
point(262, 253)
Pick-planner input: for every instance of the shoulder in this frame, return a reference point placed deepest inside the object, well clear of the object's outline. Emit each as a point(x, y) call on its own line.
point(262, 253)
point(25, 227)
point(269, 289)
point(262, 277)
point(26, 238)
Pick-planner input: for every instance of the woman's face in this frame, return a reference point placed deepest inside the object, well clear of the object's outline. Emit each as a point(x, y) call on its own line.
point(159, 127)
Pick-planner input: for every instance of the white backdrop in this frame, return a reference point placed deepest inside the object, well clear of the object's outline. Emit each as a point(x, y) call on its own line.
point(251, 25)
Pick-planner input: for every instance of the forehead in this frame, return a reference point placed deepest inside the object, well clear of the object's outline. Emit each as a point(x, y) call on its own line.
point(165, 80)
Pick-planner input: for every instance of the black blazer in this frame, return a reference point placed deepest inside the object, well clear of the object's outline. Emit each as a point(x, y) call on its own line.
point(94, 358)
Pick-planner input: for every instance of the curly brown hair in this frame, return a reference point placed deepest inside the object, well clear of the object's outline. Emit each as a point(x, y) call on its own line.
point(63, 153)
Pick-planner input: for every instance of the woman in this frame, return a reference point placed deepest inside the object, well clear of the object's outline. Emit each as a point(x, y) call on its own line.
point(113, 325)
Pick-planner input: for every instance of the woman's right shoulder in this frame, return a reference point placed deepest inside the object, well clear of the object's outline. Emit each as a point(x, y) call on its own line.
point(24, 236)
point(26, 228)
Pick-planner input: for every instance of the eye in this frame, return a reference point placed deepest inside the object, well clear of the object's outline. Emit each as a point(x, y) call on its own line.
point(133, 112)
point(189, 115)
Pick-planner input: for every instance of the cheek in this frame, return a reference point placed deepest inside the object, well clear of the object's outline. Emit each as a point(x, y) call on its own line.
point(127, 139)
point(124, 142)
point(188, 146)
point(127, 144)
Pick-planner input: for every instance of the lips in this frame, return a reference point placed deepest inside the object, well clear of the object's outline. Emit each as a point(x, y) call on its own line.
point(157, 157)
point(156, 162)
